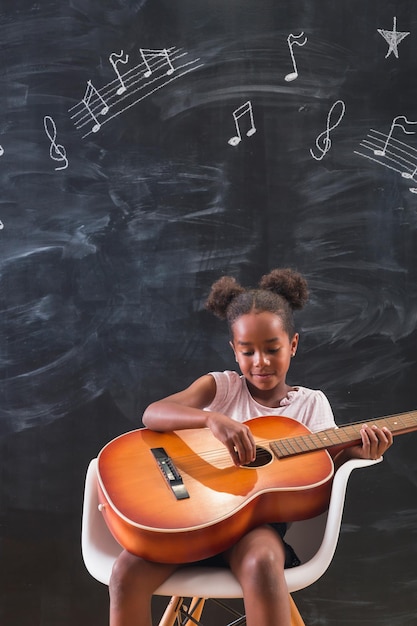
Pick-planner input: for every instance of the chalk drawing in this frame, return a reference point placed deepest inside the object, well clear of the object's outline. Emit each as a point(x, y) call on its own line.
point(323, 141)
point(395, 124)
point(88, 103)
point(293, 40)
point(114, 60)
point(393, 38)
point(108, 102)
point(395, 155)
point(148, 53)
point(245, 109)
point(57, 152)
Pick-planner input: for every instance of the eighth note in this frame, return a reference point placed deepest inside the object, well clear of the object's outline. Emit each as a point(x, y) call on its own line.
point(147, 52)
point(393, 125)
point(114, 63)
point(56, 151)
point(87, 98)
point(245, 109)
point(292, 40)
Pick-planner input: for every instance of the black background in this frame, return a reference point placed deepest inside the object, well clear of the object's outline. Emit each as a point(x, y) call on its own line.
point(105, 264)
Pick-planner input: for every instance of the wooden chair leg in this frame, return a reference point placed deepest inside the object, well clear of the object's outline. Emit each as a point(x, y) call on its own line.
point(173, 611)
point(296, 619)
point(195, 609)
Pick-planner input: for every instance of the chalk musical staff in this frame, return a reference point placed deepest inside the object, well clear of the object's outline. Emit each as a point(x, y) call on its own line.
point(395, 124)
point(89, 104)
point(244, 110)
point(323, 141)
point(394, 154)
point(148, 53)
point(137, 87)
point(114, 59)
point(293, 40)
point(57, 152)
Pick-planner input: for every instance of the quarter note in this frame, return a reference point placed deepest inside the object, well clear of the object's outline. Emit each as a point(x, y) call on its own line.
point(114, 60)
point(245, 109)
point(292, 40)
point(90, 90)
point(149, 53)
point(393, 125)
point(409, 176)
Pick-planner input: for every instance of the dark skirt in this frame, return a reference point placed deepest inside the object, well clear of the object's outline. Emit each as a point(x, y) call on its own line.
point(291, 559)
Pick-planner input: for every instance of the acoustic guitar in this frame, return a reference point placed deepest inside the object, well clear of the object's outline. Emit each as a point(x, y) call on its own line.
point(177, 497)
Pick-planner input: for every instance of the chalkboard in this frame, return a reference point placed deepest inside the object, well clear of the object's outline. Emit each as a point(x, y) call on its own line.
point(148, 147)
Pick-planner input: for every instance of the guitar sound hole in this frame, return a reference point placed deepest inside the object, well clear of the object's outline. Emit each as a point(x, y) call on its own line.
point(263, 457)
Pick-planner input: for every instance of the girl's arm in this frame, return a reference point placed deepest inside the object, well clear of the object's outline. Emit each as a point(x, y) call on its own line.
point(185, 410)
point(375, 442)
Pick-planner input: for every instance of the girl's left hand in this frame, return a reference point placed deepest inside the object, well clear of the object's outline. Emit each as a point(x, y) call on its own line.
point(375, 441)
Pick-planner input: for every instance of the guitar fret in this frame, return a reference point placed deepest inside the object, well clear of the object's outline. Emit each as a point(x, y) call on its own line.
point(345, 434)
point(304, 446)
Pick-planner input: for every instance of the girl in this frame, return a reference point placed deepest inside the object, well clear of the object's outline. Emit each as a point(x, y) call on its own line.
point(264, 341)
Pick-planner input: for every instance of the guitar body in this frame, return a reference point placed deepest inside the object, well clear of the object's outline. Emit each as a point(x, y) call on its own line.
point(222, 501)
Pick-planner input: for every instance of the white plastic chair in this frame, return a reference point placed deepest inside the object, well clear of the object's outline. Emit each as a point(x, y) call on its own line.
point(314, 541)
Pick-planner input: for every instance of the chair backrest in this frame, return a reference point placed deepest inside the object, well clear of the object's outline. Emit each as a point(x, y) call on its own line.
point(314, 541)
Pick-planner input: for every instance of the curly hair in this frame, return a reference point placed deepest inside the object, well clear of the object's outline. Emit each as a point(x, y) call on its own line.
point(281, 292)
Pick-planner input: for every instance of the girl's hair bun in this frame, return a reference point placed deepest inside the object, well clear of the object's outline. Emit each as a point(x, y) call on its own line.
point(287, 283)
point(223, 291)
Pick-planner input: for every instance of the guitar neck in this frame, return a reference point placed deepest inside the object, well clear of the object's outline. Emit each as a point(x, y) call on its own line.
point(342, 437)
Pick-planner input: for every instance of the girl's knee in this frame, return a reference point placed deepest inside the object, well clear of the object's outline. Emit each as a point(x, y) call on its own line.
point(263, 568)
point(126, 573)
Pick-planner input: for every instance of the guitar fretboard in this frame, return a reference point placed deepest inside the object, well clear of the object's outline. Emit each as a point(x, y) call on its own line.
point(343, 436)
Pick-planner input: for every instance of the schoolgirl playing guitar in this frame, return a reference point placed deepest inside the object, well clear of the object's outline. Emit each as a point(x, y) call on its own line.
point(264, 340)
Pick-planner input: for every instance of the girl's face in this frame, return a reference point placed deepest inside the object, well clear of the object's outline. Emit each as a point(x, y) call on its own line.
point(263, 351)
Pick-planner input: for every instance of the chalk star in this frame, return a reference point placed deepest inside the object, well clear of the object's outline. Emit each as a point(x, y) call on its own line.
point(393, 38)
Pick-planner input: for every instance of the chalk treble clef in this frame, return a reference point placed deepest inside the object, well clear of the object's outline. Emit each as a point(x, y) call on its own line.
point(57, 152)
point(323, 141)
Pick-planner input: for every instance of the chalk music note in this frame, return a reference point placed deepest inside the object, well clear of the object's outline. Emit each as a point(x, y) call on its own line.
point(57, 152)
point(87, 98)
point(1, 225)
point(245, 109)
point(114, 59)
point(293, 40)
point(393, 125)
point(410, 176)
point(324, 137)
point(1, 151)
point(149, 53)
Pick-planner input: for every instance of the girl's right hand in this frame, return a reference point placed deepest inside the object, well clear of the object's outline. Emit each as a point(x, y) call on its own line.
point(236, 436)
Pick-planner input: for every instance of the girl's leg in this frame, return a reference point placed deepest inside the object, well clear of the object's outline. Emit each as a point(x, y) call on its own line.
point(258, 561)
point(132, 584)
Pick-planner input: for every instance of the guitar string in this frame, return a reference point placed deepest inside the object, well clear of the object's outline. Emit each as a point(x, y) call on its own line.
point(298, 442)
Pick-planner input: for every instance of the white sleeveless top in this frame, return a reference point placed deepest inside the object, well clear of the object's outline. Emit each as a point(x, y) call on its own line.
point(308, 406)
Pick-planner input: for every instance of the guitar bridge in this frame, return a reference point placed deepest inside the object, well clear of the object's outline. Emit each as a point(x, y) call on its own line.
point(170, 473)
